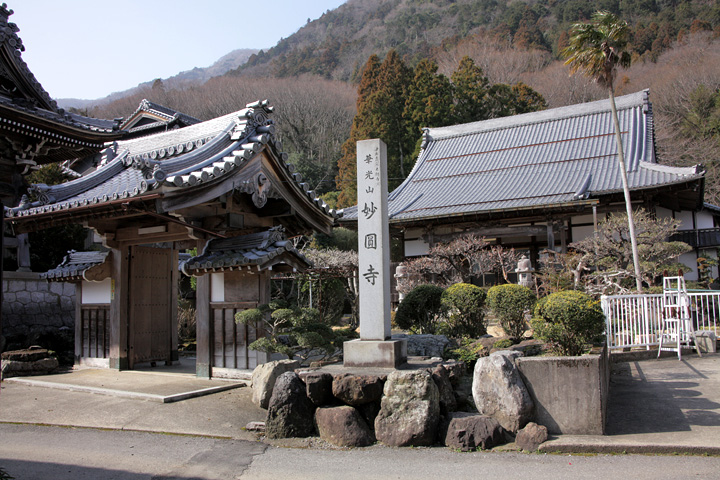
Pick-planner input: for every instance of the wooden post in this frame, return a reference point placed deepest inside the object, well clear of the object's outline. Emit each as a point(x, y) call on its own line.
point(2, 254)
point(174, 279)
point(78, 323)
point(551, 235)
point(119, 355)
point(203, 324)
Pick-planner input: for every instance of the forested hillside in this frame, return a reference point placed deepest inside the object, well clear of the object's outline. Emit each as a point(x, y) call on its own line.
point(338, 43)
point(440, 50)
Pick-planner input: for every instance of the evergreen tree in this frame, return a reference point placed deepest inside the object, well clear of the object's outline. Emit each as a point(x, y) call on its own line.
point(347, 170)
point(471, 90)
point(380, 108)
point(429, 100)
point(395, 102)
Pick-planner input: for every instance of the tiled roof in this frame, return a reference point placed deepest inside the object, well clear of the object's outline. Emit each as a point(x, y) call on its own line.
point(170, 162)
point(559, 156)
point(256, 251)
point(74, 265)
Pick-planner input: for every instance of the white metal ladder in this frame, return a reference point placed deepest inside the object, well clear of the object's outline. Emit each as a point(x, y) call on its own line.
point(677, 328)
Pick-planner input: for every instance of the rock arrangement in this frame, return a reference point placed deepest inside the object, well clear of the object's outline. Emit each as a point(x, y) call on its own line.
point(33, 361)
point(402, 408)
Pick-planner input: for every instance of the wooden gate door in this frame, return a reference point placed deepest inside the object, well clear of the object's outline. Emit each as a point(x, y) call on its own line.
point(150, 313)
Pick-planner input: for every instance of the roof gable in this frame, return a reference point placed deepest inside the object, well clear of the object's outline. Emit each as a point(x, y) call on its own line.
point(152, 117)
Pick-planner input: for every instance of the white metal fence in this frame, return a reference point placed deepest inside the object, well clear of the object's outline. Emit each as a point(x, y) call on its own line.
point(635, 320)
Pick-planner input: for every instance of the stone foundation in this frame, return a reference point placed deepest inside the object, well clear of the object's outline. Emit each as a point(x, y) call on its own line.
point(33, 306)
point(372, 353)
point(38, 312)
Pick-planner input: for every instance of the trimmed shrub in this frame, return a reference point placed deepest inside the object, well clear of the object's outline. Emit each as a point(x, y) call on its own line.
point(421, 311)
point(568, 320)
point(465, 305)
point(509, 303)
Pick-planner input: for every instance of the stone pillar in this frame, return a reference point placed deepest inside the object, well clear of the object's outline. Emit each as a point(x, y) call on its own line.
point(374, 348)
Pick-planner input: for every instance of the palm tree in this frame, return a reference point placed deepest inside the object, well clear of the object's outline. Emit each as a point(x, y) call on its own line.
point(596, 49)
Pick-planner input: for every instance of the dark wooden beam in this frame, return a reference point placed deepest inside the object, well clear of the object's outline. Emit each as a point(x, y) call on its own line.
point(493, 232)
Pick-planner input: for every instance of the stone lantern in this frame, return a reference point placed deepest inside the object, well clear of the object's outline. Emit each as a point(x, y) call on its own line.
point(524, 271)
point(401, 274)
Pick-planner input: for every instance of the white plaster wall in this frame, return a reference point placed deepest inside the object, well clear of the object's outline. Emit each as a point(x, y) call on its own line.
point(686, 220)
point(690, 260)
point(704, 219)
point(661, 212)
point(415, 248)
point(584, 219)
point(217, 287)
point(96, 292)
point(581, 233)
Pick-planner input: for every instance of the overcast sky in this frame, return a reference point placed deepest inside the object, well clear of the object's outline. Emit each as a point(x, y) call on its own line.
point(91, 48)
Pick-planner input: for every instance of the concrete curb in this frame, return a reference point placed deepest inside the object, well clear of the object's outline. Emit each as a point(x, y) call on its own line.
point(630, 449)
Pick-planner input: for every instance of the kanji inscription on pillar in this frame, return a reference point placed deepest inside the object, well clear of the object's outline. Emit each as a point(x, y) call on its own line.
point(373, 240)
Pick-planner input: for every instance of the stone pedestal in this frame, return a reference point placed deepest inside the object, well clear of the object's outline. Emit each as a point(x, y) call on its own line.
point(375, 353)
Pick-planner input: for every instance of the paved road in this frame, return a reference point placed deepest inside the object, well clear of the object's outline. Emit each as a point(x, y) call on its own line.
point(31, 452)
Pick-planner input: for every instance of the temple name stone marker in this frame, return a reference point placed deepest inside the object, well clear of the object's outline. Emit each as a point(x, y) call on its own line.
point(374, 348)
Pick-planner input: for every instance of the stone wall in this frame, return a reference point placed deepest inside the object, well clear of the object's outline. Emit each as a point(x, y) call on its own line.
point(33, 307)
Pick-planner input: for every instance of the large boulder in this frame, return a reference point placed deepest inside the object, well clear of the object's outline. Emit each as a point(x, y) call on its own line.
point(446, 394)
point(500, 393)
point(319, 387)
point(424, 345)
point(468, 431)
point(264, 377)
point(290, 412)
point(530, 437)
point(357, 390)
point(343, 426)
point(409, 410)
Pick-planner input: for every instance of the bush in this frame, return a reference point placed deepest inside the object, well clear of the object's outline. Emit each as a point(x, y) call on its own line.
point(509, 303)
point(465, 305)
point(468, 352)
point(295, 332)
point(328, 296)
point(503, 344)
point(568, 321)
point(421, 311)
